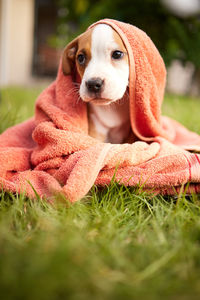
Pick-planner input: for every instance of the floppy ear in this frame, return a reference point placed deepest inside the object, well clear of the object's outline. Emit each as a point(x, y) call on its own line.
point(68, 58)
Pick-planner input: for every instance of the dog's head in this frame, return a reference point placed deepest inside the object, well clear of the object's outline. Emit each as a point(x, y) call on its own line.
point(102, 62)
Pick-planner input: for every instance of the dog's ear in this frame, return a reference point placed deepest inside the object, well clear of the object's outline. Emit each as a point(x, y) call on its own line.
point(69, 55)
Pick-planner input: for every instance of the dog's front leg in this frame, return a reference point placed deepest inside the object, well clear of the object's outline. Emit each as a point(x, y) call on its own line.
point(118, 135)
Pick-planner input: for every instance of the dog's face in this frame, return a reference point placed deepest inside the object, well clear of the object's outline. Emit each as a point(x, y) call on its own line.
point(102, 63)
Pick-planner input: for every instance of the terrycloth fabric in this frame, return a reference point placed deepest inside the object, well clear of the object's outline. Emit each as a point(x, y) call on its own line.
point(53, 153)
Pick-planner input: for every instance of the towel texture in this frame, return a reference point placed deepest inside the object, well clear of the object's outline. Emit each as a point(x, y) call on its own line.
point(53, 152)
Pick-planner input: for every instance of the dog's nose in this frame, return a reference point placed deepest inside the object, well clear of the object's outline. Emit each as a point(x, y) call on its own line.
point(94, 84)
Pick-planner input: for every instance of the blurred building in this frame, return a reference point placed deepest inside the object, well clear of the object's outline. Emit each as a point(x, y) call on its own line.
point(26, 55)
point(25, 26)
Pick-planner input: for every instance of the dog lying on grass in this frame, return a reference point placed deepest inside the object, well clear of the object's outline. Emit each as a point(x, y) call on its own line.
point(112, 129)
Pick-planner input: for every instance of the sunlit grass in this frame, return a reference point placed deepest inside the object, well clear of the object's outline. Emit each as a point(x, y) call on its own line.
point(183, 109)
point(116, 243)
point(16, 105)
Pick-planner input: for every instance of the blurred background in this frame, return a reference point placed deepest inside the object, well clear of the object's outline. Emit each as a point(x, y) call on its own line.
point(34, 32)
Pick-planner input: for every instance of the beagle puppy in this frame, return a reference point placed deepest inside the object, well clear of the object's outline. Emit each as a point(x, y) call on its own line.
point(101, 60)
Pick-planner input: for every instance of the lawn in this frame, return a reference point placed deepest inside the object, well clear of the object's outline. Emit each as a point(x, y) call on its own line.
point(116, 243)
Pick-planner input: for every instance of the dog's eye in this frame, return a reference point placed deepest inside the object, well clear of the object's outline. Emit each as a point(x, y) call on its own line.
point(117, 54)
point(81, 59)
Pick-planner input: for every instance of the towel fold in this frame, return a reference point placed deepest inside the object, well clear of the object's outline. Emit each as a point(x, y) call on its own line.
point(53, 153)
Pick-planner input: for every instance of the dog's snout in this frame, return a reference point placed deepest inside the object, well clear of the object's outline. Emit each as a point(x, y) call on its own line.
point(94, 84)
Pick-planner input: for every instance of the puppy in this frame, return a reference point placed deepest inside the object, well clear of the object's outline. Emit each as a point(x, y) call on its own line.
point(101, 60)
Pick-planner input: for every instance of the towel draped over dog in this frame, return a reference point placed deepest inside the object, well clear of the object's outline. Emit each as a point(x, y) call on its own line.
point(53, 153)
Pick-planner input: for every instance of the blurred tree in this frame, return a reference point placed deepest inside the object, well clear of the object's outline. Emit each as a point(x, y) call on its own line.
point(175, 37)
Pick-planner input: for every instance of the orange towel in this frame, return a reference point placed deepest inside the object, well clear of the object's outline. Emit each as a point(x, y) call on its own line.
point(53, 152)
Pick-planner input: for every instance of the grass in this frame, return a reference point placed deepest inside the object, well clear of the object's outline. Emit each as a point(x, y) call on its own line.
point(116, 243)
point(16, 105)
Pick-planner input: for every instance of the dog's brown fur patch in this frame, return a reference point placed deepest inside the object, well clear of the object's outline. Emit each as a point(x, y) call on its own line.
point(84, 47)
point(122, 47)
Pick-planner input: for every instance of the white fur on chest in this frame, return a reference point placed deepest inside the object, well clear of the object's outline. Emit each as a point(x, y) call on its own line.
point(111, 121)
